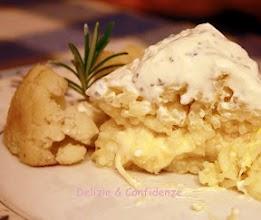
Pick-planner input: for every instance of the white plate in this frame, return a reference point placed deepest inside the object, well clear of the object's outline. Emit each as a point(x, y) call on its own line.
point(86, 192)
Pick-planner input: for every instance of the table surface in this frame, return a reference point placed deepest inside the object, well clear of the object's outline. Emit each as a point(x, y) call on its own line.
point(36, 32)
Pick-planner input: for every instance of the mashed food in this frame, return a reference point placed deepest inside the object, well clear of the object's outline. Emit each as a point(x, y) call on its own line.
point(190, 104)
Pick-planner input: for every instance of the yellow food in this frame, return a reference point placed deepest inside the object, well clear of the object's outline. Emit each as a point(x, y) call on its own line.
point(155, 121)
point(70, 153)
point(42, 129)
point(222, 156)
point(165, 118)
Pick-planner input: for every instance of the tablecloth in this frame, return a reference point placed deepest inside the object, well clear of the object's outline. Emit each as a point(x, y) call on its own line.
point(34, 31)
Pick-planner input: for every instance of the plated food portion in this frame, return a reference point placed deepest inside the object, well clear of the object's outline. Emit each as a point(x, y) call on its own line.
point(188, 104)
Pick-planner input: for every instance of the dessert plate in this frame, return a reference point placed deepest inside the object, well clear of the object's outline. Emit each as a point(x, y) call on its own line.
point(85, 191)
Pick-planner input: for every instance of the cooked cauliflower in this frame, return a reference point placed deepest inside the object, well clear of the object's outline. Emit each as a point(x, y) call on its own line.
point(221, 146)
point(191, 103)
point(69, 153)
point(42, 129)
point(237, 166)
point(135, 144)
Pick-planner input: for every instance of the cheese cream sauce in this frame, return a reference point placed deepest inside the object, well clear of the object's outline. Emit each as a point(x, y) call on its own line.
point(196, 58)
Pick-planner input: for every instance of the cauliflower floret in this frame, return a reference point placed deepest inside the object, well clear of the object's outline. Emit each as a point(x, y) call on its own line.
point(39, 120)
point(69, 153)
point(96, 114)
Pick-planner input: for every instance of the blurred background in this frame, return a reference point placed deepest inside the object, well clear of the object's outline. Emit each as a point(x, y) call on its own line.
point(34, 31)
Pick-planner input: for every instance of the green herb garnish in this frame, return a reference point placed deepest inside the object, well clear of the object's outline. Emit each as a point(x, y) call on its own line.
point(86, 68)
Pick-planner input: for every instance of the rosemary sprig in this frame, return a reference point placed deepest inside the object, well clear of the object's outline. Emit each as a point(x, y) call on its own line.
point(86, 68)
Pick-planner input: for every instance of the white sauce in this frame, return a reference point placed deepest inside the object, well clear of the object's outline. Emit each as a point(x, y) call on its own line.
point(194, 57)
